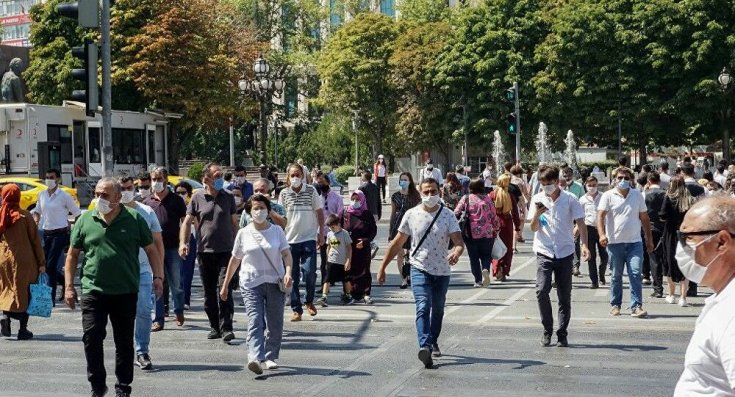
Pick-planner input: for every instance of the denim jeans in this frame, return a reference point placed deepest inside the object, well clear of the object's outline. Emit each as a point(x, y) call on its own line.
point(631, 256)
point(430, 293)
point(187, 270)
point(304, 260)
point(172, 271)
point(54, 246)
point(480, 251)
point(143, 313)
point(264, 308)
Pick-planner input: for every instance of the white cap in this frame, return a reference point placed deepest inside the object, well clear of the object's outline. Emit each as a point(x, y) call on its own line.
point(380, 156)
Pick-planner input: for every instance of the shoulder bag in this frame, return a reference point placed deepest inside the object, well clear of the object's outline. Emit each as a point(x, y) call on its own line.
point(406, 269)
point(464, 219)
point(281, 284)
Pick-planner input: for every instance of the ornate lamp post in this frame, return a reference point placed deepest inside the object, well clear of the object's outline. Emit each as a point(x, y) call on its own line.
point(725, 80)
point(263, 87)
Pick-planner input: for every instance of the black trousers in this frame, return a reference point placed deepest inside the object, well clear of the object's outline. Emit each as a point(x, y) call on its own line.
point(323, 263)
point(657, 260)
point(212, 271)
point(55, 244)
point(562, 271)
point(577, 252)
point(381, 181)
point(646, 269)
point(21, 317)
point(96, 308)
point(593, 243)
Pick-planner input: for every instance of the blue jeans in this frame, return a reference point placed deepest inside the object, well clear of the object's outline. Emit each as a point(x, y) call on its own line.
point(304, 260)
point(480, 251)
point(264, 308)
point(172, 271)
point(143, 313)
point(430, 293)
point(187, 270)
point(631, 256)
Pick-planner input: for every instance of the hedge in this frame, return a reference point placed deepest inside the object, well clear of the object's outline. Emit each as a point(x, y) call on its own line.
point(196, 171)
point(343, 172)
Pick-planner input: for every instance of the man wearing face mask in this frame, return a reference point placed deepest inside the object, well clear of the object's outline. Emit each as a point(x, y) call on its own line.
point(706, 255)
point(621, 214)
point(51, 214)
point(590, 202)
point(305, 232)
point(217, 223)
point(372, 195)
point(276, 216)
point(144, 187)
point(145, 302)
point(553, 214)
point(240, 182)
point(431, 172)
point(170, 209)
point(110, 236)
point(430, 226)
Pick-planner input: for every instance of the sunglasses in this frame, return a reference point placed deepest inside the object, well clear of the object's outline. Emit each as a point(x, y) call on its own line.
point(182, 192)
point(683, 237)
point(620, 178)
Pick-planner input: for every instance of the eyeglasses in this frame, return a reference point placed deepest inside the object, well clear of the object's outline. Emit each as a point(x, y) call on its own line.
point(182, 192)
point(683, 237)
point(620, 178)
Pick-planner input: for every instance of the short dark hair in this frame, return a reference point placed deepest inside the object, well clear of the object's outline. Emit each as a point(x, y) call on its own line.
point(144, 176)
point(623, 169)
point(664, 165)
point(591, 178)
point(687, 169)
point(185, 185)
point(642, 178)
point(333, 220)
point(257, 197)
point(654, 177)
point(477, 186)
point(647, 168)
point(54, 171)
point(687, 159)
point(721, 168)
point(507, 165)
point(430, 180)
point(207, 171)
point(125, 179)
point(567, 170)
point(368, 175)
point(548, 173)
point(228, 176)
point(708, 176)
point(623, 161)
point(241, 168)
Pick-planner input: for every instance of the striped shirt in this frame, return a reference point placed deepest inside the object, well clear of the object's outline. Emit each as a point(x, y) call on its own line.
point(301, 210)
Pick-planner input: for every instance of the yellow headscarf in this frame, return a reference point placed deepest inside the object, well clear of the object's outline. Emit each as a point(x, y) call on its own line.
point(503, 202)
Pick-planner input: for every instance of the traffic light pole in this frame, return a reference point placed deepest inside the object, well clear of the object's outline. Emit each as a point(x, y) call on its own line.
point(518, 121)
point(107, 160)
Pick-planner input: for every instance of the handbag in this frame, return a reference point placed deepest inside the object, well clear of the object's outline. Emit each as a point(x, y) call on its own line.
point(499, 248)
point(40, 304)
point(281, 284)
point(406, 269)
point(464, 219)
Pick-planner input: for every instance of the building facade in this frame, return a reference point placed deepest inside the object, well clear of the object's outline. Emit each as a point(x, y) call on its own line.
point(16, 22)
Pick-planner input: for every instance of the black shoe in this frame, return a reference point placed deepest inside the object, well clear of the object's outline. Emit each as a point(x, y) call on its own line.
point(214, 334)
point(602, 280)
point(435, 352)
point(546, 340)
point(5, 327)
point(594, 286)
point(144, 362)
point(553, 284)
point(425, 357)
point(228, 336)
point(99, 393)
point(691, 293)
point(121, 393)
point(24, 334)
point(657, 295)
point(646, 281)
point(562, 342)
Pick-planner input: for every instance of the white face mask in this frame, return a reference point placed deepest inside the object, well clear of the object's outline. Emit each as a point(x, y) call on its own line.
point(158, 187)
point(689, 267)
point(240, 180)
point(127, 196)
point(296, 182)
point(238, 200)
point(430, 201)
point(549, 189)
point(144, 193)
point(50, 183)
point(103, 206)
point(592, 190)
point(259, 215)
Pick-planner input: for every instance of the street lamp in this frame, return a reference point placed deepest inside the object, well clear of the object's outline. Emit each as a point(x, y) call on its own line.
point(725, 79)
point(264, 86)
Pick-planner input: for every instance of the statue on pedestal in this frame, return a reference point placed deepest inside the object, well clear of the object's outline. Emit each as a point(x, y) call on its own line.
point(12, 90)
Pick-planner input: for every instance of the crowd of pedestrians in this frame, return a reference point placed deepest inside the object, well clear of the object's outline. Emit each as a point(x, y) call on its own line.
point(142, 239)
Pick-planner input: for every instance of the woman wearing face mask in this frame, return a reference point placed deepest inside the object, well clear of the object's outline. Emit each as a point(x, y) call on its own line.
point(380, 173)
point(332, 206)
point(507, 210)
point(452, 191)
point(360, 224)
point(677, 202)
point(262, 253)
point(401, 201)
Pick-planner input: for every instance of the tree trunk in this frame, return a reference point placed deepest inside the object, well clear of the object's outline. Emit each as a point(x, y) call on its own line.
point(173, 147)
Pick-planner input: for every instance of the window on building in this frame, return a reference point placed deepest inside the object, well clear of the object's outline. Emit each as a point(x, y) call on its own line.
point(335, 14)
point(95, 145)
point(388, 7)
point(128, 146)
point(291, 99)
point(62, 135)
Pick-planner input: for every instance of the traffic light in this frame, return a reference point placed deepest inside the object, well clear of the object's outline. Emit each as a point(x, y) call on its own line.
point(511, 94)
point(86, 12)
point(90, 95)
point(511, 120)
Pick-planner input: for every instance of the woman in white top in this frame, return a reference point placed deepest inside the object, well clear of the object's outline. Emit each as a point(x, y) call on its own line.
point(262, 252)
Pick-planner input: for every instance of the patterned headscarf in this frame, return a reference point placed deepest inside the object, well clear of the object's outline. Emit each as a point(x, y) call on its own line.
point(10, 209)
point(363, 204)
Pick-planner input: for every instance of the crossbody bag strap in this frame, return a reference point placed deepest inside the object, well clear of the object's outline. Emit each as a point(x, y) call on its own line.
point(263, 250)
point(428, 230)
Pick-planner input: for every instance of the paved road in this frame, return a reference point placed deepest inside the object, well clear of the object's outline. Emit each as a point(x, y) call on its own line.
point(490, 341)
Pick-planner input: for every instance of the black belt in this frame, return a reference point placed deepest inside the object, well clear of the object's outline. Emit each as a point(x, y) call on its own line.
point(55, 232)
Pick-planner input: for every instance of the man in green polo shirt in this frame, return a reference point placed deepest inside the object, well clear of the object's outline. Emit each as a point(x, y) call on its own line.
point(110, 237)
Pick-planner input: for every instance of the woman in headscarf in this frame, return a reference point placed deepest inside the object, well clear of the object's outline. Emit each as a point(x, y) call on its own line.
point(360, 224)
point(507, 209)
point(21, 261)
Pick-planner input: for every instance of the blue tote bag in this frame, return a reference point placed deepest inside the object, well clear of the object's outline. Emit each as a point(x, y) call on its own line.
point(40, 304)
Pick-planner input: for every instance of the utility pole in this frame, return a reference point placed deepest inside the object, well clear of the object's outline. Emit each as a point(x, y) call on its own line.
point(107, 162)
point(620, 129)
point(354, 128)
point(518, 121)
point(465, 127)
point(232, 144)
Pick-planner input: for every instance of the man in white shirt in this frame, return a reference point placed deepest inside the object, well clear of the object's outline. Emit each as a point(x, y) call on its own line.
point(431, 172)
point(553, 214)
point(621, 214)
point(664, 174)
point(720, 176)
point(706, 254)
point(52, 215)
point(305, 232)
point(589, 203)
point(430, 226)
point(487, 176)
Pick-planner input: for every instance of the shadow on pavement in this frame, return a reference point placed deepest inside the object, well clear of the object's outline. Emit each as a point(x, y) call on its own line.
point(466, 360)
point(624, 348)
point(197, 367)
point(56, 338)
point(291, 371)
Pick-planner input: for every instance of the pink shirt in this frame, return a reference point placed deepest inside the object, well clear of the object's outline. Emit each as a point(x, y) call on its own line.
point(484, 221)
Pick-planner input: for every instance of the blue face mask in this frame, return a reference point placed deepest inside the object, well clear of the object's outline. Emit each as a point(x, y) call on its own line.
point(219, 184)
point(625, 185)
point(403, 184)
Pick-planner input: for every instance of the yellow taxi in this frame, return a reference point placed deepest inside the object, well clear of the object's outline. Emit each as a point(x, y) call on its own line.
point(29, 189)
point(174, 180)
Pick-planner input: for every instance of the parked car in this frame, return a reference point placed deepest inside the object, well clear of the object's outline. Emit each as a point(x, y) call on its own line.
point(29, 189)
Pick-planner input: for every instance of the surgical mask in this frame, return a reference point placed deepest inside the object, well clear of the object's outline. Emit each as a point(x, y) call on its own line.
point(259, 215)
point(356, 204)
point(430, 201)
point(403, 184)
point(219, 184)
point(624, 184)
point(549, 189)
point(592, 190)
point(296, 182)
point(429, 167)
point(50, 183)
point(158, 187)
point(103, 206)
point(127, 196)
point(144, 193)
point(689, 267)
point(238, 200)
point(240, 180)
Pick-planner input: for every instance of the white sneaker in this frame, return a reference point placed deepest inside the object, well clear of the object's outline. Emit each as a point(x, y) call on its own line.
point(477, 285)
point(670, 299)
point(368, 300)
point(270, 364)
point(683, 302)
point(485, 277)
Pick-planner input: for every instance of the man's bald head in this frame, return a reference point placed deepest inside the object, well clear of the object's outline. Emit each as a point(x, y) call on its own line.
point(712, 213)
